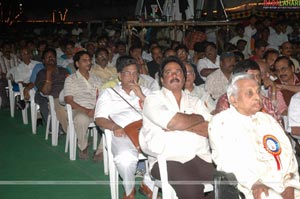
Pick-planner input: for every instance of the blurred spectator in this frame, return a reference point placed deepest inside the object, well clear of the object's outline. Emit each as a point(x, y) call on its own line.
point(210, 62)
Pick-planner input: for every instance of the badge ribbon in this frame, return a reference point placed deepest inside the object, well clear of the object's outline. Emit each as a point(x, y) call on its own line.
point(271, 144)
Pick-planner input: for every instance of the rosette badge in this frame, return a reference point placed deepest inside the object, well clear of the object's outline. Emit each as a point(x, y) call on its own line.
point(272, 145)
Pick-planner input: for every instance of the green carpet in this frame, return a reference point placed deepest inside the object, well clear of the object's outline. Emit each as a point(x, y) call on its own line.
point(31, 168)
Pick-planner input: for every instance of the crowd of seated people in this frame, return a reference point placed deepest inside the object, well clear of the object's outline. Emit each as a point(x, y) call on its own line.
point(86, 68)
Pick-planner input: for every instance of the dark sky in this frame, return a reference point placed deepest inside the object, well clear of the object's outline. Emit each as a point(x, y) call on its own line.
point(98, 8)
point(50, 4)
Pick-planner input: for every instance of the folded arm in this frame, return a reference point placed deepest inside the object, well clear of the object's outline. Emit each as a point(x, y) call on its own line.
point(189, 122)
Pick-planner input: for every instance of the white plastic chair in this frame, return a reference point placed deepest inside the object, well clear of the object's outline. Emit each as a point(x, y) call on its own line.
point(71, 139)
point(12, 95)
point(24, 111)
point(34, 109)
point(113, 172)
point(54, 123)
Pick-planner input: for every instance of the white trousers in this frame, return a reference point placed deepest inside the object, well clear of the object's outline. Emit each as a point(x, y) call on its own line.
point(126, 159)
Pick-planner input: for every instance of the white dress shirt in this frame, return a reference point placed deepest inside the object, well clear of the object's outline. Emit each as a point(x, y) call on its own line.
point(111, 105)
point(23, 71)
point(206, 63)
point(159, 108)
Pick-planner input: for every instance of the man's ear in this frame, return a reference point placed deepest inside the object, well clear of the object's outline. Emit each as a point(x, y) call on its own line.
point(119, 76)
point(232, 100)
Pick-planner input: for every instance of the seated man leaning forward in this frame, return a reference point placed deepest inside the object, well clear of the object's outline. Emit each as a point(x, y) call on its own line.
point(252, 145)
point(115, 109)
point(175, 127)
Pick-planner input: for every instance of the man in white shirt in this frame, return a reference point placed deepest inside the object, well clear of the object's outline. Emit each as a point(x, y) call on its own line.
point(252, 145)
point(23, 71)
point(113, 112)
point(275, 40)
point(175, 127)
point(250, 30)
point(210, 62)
point(239, 29)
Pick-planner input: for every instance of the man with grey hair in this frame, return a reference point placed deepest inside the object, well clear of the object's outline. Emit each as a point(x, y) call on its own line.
point(255, 149)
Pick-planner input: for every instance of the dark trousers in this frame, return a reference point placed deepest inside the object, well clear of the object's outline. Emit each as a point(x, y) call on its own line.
point(43, 103)
point(3, 94)
point(195, 170)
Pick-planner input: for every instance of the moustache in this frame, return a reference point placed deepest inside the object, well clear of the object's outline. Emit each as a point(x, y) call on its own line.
point(174, 80)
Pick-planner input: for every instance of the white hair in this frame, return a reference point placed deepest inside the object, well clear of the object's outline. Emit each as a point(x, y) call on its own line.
point(232, 87)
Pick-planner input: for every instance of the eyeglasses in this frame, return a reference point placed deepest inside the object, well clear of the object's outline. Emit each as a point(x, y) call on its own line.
point(170, 73)
point(129, 73)
point(189, 72)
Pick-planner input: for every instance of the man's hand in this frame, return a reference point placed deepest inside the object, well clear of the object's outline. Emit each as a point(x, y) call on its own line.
point(288, 193)
point(137, 90)
point(27, 89)
point(268, 82)
point(26, 93)
point(90, 112)
point(200, 129)
point(119, 132)
point(258, 188)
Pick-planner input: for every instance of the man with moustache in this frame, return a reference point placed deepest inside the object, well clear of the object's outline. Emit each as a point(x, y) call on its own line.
point(175, 126)
point(252, 145)
point(113, 112)
point(101, 68)
point(288, 82)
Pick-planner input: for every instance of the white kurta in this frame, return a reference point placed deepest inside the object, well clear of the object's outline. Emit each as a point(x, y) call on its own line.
point(237, 146)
